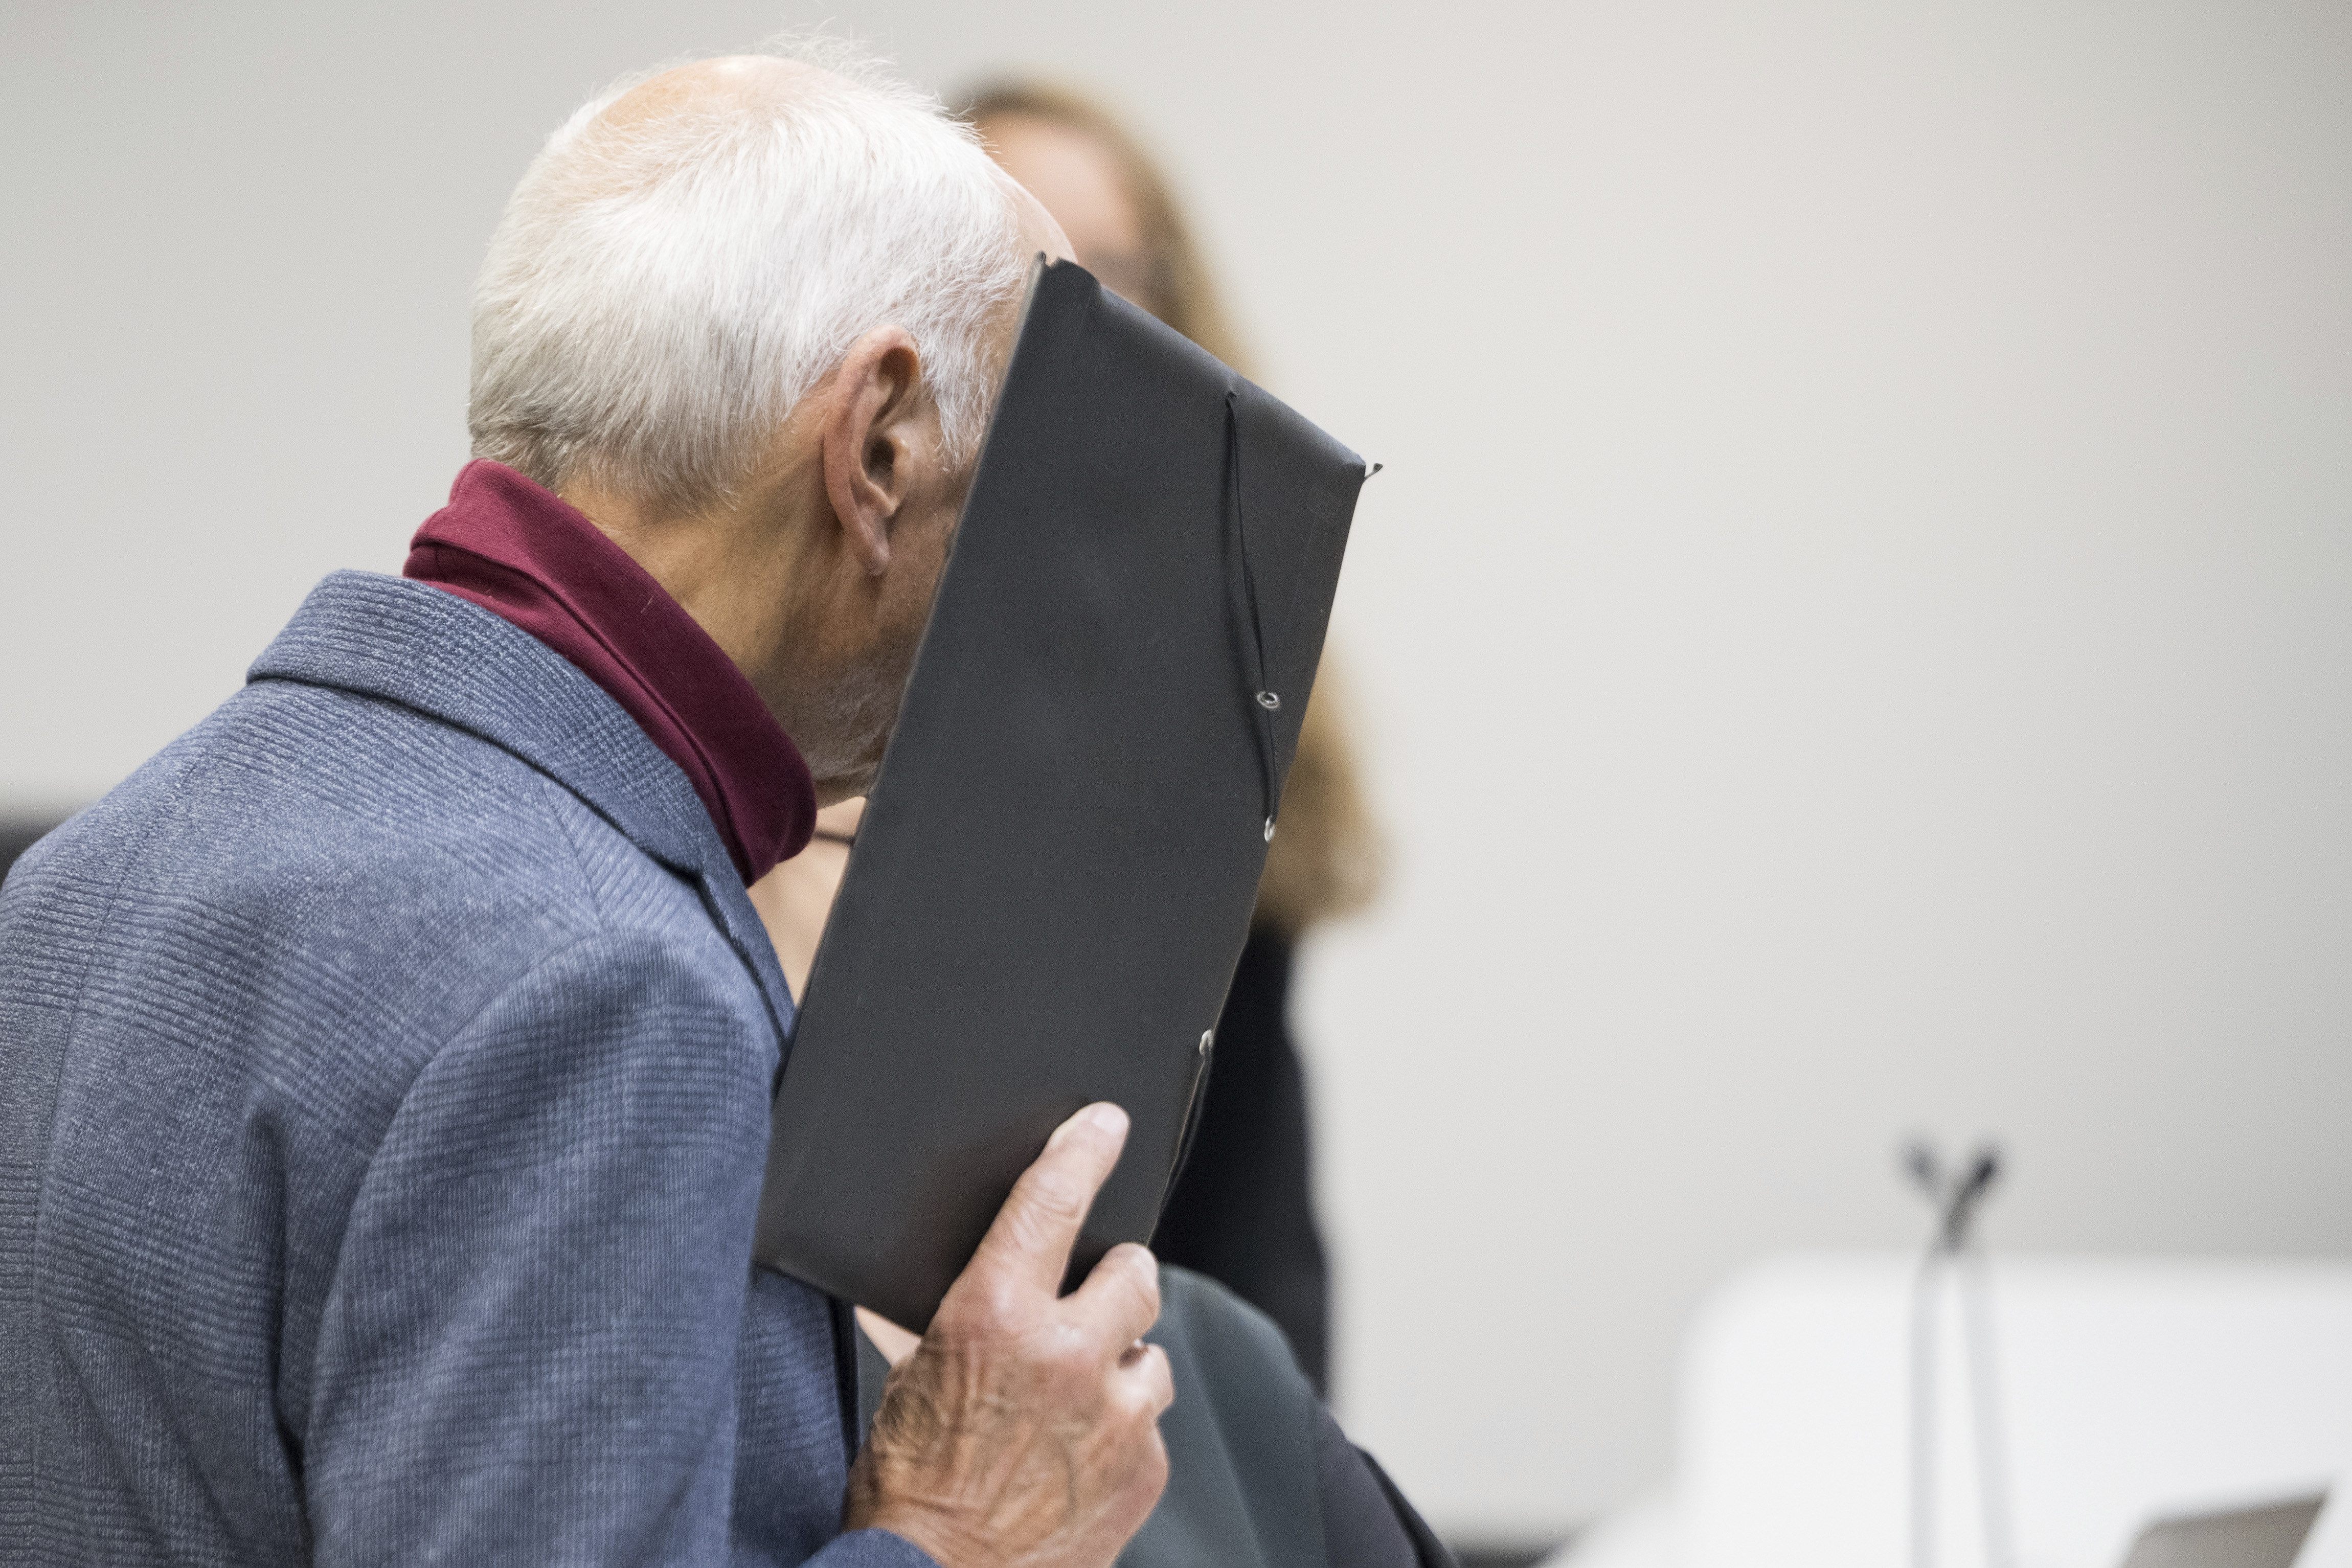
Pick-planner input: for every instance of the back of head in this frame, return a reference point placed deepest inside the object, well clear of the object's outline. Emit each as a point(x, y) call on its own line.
point(695, 249)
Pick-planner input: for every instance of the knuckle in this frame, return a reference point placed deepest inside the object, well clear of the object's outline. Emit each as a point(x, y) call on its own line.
point(1068, 1363)
point(983, 1308)
point(996, 1312)
point(1137, 1264)
point(1154, 1383)
point(1046, 1194)
point(1137, 1279)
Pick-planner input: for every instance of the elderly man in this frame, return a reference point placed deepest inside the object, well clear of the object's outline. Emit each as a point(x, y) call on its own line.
point(387, 1066)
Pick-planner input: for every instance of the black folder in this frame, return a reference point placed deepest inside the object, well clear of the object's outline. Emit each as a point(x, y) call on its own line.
point(1057, 867)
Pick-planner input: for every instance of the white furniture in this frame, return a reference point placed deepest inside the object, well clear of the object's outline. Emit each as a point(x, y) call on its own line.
point(2131, 1387)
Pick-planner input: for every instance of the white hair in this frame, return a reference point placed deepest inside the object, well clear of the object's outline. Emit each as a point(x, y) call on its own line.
point(662, 291)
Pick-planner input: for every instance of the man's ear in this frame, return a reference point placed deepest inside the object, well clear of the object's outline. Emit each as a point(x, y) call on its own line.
point(869, 451)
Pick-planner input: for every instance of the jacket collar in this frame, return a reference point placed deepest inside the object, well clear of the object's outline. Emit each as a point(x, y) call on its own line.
point(525, 554)
point(413, 645)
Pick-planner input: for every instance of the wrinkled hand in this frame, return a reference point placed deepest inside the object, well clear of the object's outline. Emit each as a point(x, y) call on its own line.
point(1024, 1429)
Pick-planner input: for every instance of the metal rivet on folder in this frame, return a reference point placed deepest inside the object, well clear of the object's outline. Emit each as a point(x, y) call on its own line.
point(1268, 701)
point(1207, 1036)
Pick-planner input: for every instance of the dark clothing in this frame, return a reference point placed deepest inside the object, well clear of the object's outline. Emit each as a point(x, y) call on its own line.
point(384, 1078)
point(1244, 1211)
point(1259, 1475)
point(530, 558)
point(18, 834)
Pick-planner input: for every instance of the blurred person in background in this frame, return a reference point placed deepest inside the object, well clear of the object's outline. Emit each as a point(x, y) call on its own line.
point(1243, 1212)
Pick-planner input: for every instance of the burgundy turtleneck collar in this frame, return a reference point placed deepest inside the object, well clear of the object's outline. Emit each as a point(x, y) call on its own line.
point(524, 553)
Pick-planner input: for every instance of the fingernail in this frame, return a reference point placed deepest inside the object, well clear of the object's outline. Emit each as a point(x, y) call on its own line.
point(1103, 1118)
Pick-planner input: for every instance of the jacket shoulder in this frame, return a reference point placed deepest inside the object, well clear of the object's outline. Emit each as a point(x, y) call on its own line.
point(314, 889)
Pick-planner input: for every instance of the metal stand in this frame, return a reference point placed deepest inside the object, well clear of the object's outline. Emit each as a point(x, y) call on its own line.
point(1952, 1254)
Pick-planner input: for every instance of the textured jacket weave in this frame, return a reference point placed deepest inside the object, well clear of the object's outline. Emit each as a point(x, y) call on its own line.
point(384, 1083)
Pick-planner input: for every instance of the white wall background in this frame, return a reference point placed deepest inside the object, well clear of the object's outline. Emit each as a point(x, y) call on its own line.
point(1854, 636)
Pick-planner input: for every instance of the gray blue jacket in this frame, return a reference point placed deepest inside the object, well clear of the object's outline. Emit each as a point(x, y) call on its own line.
point(383, 1083)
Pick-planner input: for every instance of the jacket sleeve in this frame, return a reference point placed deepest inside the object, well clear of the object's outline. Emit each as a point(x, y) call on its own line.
point(1367, 1523)
point(872, 1549)
point(529, 1351)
